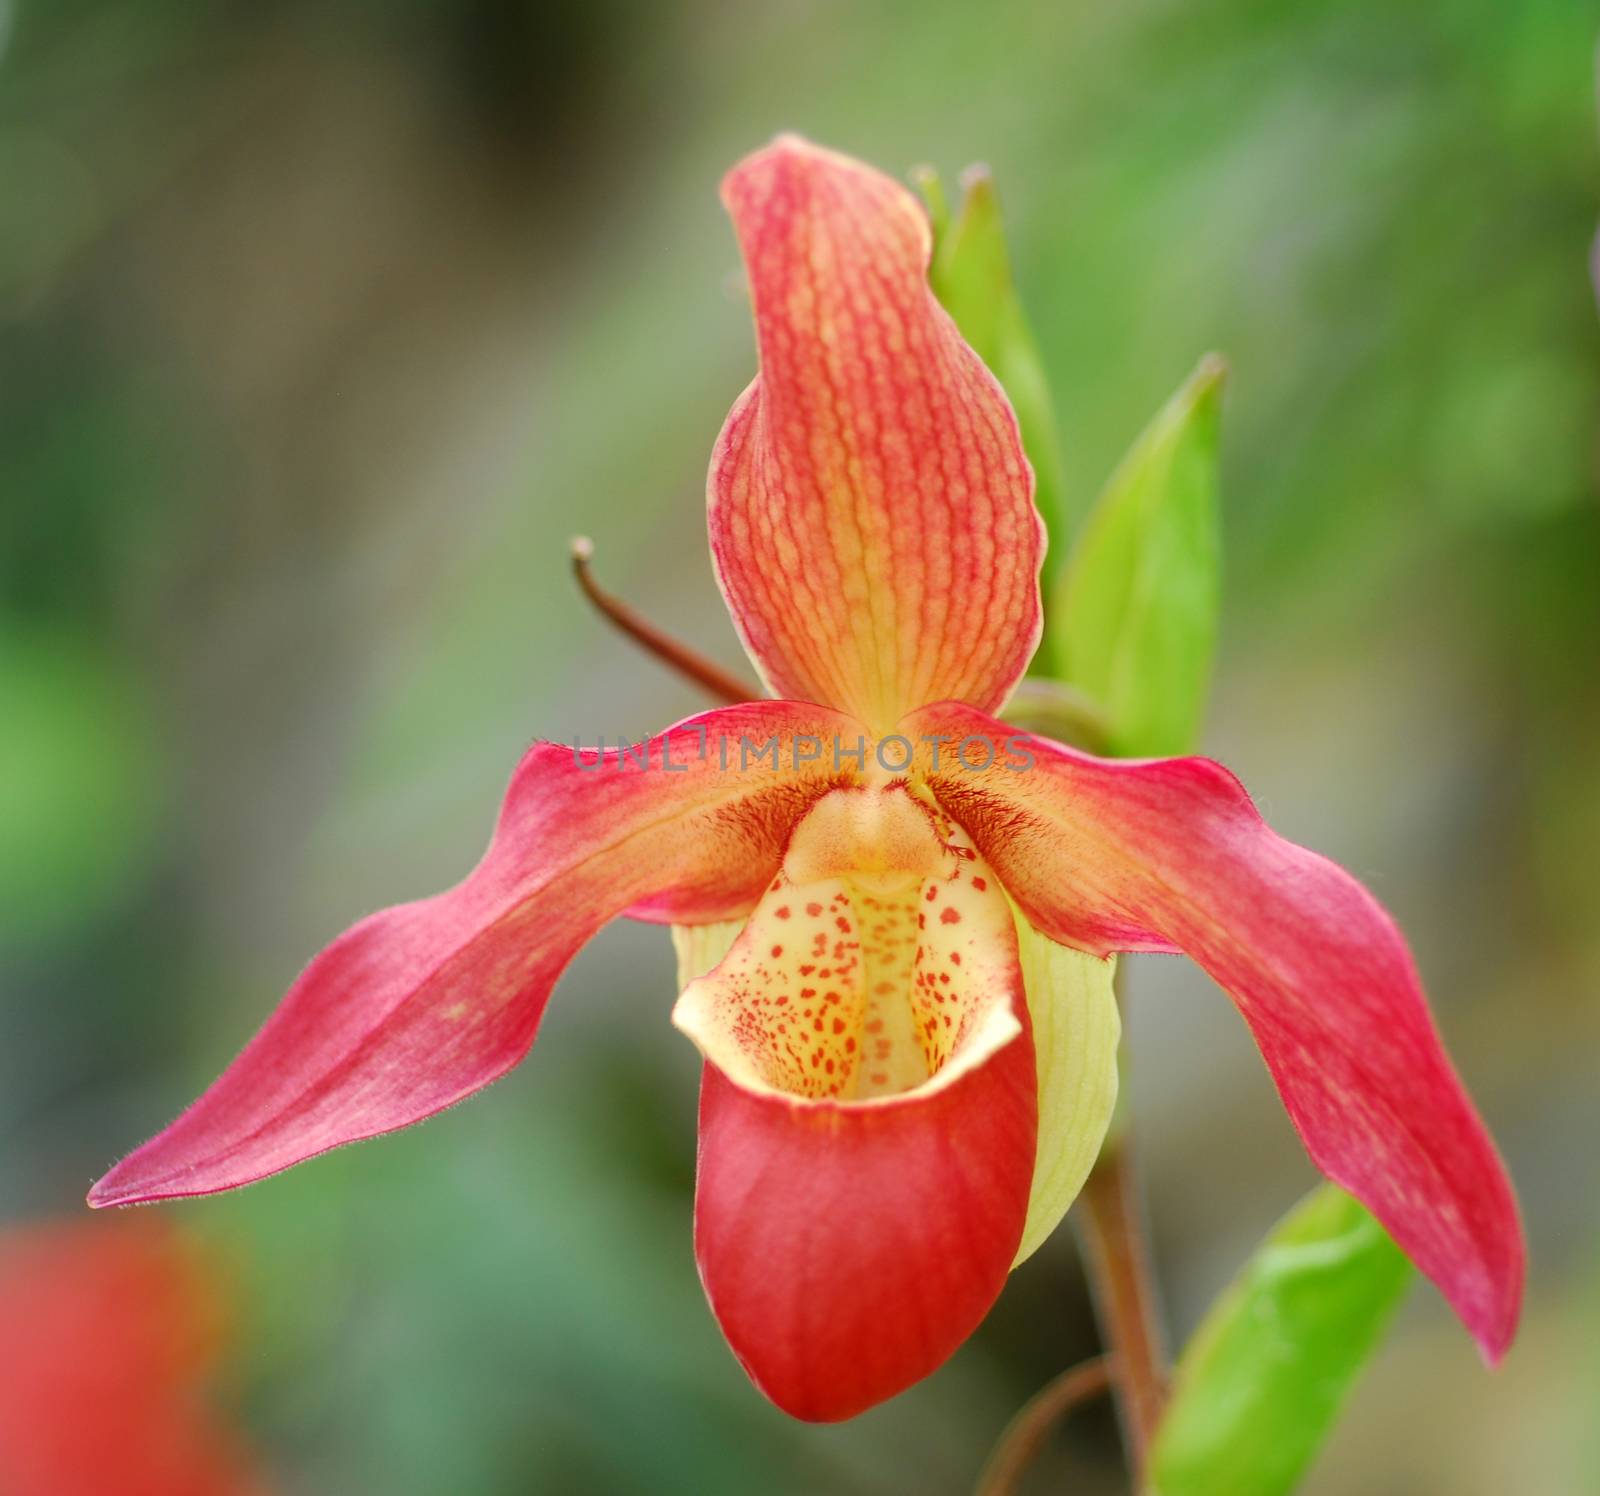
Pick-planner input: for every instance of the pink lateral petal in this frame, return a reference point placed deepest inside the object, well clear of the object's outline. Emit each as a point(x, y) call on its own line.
point(1170, 854)
point(420, 1005)
point(871, 511)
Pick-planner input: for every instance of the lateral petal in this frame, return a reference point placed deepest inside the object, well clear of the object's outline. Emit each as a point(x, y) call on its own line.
point(871, 511)
point(1170, 854)
point(420, 1005)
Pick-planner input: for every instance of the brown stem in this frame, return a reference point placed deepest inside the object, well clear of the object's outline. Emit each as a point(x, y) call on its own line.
point(1118, 1261)
point(1030, 1427)
point(706, 674)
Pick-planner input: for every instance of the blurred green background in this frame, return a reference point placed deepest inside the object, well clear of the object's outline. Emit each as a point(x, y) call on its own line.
point(323, 326)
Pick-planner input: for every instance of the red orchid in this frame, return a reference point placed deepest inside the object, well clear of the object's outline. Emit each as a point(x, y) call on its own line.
point(894, 916)
point(110, 1336)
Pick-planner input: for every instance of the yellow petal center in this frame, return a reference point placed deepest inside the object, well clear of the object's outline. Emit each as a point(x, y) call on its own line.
point(883, 958)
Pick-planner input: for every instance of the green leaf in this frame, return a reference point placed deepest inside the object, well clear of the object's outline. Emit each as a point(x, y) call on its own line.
point(971, 276)
point(1259, 1385)
point(1134, 617)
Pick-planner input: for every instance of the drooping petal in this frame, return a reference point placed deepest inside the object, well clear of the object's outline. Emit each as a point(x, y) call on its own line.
point(422, 1004)
point(1170, 855)
point(1076, 1027)
point(867, 1122)
point(872, 517)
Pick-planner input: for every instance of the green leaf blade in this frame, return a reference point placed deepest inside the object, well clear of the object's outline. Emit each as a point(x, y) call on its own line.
point(1259, 1386)
point(1134, 618)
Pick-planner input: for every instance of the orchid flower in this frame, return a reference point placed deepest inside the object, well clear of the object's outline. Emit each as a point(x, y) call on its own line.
point(896, 919)
point(111, 1340)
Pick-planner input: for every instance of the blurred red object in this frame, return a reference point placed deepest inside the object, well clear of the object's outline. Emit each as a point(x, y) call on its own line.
point(109, 1331)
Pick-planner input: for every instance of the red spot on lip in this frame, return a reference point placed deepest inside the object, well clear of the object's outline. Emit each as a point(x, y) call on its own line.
point(955, 958)
point(813, 910)
point(950, 916)
point(980, 884)
point(932, 893)
point(782, 911)
point(777, 951)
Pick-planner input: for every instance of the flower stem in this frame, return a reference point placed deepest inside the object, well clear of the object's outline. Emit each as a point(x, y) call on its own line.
point(1118, 1261)
point(1025, 1435)
point(705, 673)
